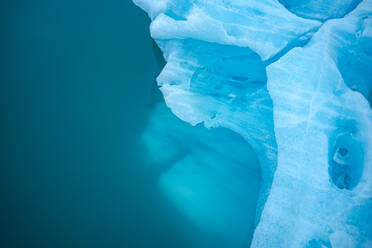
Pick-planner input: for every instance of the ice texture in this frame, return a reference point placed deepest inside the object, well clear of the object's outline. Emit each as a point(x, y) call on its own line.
point(293, 79)
point(320, 9)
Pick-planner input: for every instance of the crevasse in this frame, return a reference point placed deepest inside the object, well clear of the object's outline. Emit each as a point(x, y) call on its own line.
point(290, 83)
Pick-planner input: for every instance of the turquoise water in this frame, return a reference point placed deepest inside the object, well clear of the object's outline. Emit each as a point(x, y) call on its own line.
point(77, 87)
point(212, 176)
point(77, 93)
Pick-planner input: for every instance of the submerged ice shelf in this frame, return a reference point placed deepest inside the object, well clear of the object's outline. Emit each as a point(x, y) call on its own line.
point(194, 175)
point(290, 81)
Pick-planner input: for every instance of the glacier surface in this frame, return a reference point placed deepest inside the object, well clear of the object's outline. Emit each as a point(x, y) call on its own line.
point(285, 89)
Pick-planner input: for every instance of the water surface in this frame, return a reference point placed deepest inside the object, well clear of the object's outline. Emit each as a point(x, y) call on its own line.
point(77, 87)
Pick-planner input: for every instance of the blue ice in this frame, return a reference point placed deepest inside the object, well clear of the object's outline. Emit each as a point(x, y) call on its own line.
point(274, 100)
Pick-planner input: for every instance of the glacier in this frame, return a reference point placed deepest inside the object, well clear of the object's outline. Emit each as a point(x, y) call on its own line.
point(273, 145)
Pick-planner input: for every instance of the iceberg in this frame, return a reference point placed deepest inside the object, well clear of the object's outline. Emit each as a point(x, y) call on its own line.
point(274, 105)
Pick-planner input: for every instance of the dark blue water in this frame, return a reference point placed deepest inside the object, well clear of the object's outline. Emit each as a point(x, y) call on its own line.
point(77, 87)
